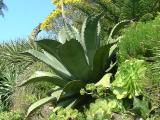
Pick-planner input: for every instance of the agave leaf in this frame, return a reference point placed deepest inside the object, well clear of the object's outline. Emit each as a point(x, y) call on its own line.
point(71, 90)
point(73, 32)
point(74, 86)
point(67, 33)
point(111, 67)
point(57, 93)
point(116, 29)
point(50, 46)
point(63, 36)
point(113, 50)
point(77, 102)
point(66, 102)
point(89, 37)
point(73, 57)
point(45, 76)
point(52, 61)
point(40, 103)
point(54, 89)
point(98, 62)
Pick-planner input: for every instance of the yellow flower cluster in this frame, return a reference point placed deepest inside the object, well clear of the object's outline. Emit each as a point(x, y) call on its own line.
point(47, 23)
point(58, 2)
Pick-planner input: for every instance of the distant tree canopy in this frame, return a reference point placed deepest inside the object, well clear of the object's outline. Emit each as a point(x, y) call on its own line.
point(75, 11)
point(115, 11)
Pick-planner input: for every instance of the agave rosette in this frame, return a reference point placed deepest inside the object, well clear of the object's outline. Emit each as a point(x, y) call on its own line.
point(77, 59)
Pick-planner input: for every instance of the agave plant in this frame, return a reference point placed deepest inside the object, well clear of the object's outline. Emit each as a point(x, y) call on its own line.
point(77, 59)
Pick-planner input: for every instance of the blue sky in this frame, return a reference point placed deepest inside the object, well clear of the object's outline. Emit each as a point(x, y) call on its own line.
point(21, 17)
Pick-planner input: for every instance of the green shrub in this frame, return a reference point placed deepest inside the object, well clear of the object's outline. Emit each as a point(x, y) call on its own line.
point(7, 86)
point(140, 41)
point(10, 116)
point(37, 91)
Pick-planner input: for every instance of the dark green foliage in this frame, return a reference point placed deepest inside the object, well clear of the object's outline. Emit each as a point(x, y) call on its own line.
point(12, 63)
point(7, 86)
point(129, 9)
point(141, 107)
point(11, 56)
point(152, 96)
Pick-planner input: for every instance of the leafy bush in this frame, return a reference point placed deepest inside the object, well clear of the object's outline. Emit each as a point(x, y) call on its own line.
point(140, 41)
point(23, 97)
point(7, 86)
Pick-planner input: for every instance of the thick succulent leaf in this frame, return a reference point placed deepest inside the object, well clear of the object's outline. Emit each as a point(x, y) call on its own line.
point(73, 32)
point(73, 101)
point(57, 93)
point(66, 102)
point(50, 46)
point(72, 90)
point(98, 62)
point(73, 58)
point(67, 33)
point(79, 100)
point(74, 86)
point(105, 81)
point(63, 36)
point(89, 37)
point(54, 89)
point(111, 67)
point(113, 50)
point(39, 103)
point(52, 62)
point(116, 29)
point(45, 77)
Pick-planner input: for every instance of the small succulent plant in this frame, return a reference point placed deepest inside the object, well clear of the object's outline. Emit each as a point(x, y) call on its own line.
point(103, 109)
point(67, 114)
point(130, 79)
